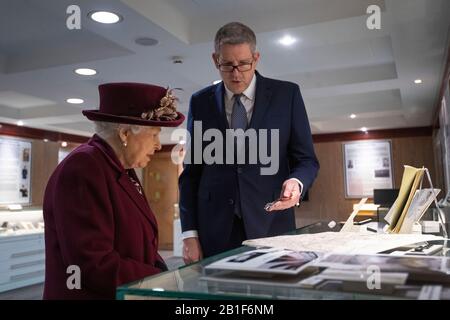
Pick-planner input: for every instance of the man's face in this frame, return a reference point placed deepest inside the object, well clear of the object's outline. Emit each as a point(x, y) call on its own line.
point(236, 55)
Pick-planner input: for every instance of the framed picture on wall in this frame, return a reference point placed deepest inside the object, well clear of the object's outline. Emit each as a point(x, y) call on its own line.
point(367, 166)
point(15, 171)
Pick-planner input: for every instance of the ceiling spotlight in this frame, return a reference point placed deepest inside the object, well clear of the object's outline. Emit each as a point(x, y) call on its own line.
point(63, 144)
point(353, 116)
point(418, 81)
point(20, 123)
point(177, 60)
point(287, 40)
point(147, 42)
point(105, 17)
point(45, 140)
point(75, 101)
point(85, 71)
point(364, 129)
point(217, 81)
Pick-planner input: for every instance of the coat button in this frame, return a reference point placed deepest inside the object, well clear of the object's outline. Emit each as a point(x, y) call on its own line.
point(239, 170)
point(231, 201)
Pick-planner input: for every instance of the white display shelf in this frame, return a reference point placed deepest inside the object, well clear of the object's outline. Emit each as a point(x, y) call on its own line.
point(22, 252)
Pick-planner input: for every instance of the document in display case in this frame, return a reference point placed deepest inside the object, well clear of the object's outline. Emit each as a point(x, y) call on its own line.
point(15, 171)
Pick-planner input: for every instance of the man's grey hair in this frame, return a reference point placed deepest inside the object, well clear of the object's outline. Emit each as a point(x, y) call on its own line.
point(108, 129)
point(235, 33)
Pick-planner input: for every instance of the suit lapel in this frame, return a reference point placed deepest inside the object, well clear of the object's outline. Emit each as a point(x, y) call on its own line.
point(262, 101)
point(220, 106)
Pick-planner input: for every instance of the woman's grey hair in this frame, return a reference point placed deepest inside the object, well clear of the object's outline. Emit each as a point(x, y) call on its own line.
point(235, 33)
point(108, 129)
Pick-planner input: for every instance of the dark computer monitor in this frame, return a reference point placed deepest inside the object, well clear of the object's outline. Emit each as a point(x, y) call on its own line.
point(385, 197)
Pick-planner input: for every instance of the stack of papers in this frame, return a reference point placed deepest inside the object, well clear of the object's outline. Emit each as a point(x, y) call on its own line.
point(341, 242)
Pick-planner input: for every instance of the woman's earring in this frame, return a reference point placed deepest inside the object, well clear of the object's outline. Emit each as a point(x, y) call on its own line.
point(124, 144)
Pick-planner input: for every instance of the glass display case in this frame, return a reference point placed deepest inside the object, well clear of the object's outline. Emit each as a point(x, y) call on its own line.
point(22, 248)
point(189, 282)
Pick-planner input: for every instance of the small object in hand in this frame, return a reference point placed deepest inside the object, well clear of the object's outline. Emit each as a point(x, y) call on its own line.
point(269, 205)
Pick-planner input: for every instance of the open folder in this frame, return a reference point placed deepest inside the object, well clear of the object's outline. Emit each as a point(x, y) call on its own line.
point(411, 203)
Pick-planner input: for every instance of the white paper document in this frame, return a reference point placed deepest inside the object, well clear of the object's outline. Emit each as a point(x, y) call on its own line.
point(341, 242)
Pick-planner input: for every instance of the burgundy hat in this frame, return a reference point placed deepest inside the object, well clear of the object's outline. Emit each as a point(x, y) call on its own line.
point(136, 103)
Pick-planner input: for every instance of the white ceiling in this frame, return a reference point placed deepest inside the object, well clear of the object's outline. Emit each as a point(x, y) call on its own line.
point(341, 66)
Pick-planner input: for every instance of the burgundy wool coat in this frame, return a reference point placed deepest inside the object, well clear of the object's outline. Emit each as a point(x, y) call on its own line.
point(96, 219)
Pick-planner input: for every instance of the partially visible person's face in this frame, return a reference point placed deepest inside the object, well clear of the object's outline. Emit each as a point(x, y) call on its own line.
point(140, 147)
point(234, 55)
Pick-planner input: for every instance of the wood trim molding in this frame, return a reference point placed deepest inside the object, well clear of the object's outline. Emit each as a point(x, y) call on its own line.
point(376, 134)
point(39, 134)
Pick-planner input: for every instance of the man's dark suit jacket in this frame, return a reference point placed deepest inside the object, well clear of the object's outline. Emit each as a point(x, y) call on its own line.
point(208, 191)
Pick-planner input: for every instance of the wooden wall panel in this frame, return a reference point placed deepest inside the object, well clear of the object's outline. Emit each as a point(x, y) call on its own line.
point(327, 197)
point(161, 188)
point(44, 160)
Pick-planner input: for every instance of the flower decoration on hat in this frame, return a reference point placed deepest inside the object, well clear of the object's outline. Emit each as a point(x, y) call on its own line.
point(166, 111)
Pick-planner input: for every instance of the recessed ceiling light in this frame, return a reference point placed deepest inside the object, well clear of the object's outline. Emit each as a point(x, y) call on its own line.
point(85, 71)
point(45, 140)
point(74, 101)
point(147, 42)
point(364, 129)
point(287, 40)
point(353, 116)
point(418, 81)
point(217, 81)
point(20, 123)
point(63, 144)
point(105, 17)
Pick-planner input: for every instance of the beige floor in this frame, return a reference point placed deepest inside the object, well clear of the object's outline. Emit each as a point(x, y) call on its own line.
point(35, 292)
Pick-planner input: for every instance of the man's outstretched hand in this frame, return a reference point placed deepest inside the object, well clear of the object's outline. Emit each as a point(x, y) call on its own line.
point(192, 251)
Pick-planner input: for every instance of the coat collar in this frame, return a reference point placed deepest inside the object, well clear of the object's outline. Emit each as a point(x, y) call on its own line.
point(108, 151)
point(123, 177)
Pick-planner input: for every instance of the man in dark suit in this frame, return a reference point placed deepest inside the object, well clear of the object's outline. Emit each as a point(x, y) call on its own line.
point(223, 203)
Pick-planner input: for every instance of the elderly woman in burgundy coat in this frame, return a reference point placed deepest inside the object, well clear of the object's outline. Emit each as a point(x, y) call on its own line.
point(98, 224)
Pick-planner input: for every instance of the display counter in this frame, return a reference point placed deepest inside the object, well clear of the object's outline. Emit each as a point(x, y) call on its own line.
point(189, 282)
point(22, 249)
